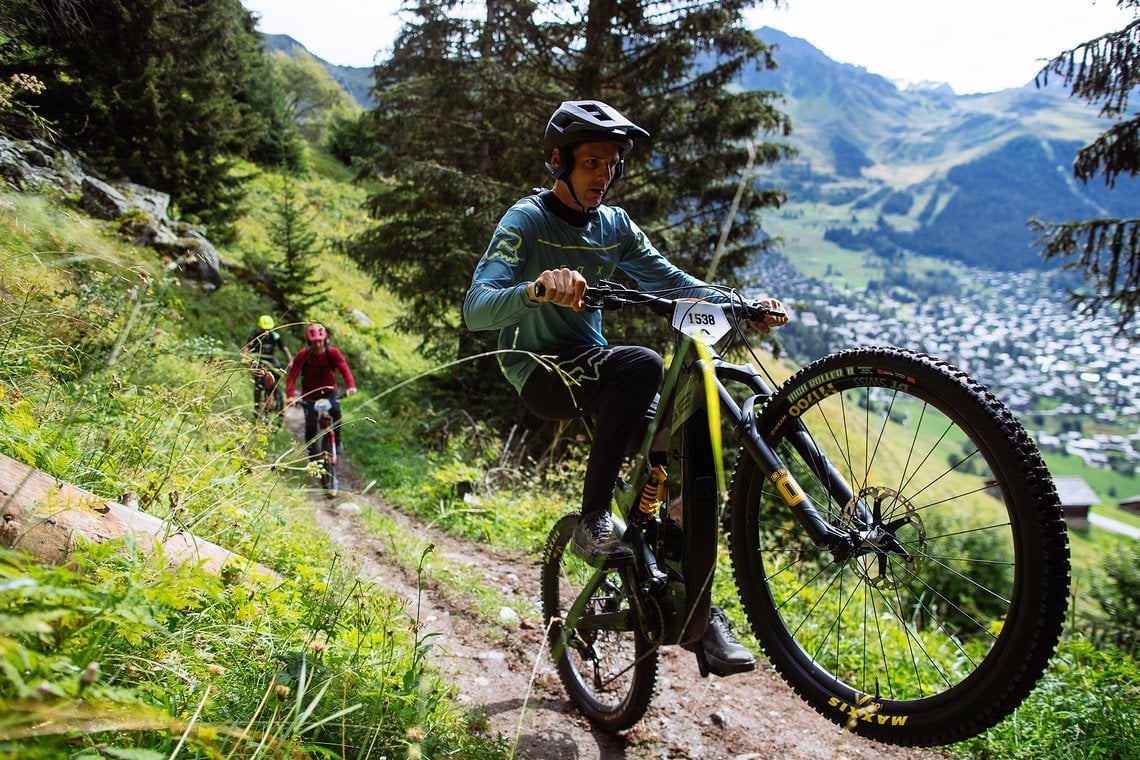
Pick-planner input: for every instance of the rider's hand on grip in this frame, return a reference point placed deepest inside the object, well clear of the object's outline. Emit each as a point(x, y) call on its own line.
point(767, 313)
point(562, 287)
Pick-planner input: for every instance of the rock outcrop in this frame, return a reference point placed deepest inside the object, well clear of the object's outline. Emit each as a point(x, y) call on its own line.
point(143, 212)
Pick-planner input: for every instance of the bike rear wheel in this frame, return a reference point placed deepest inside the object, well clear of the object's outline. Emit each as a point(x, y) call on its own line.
point(943, 619)
point(607, 667)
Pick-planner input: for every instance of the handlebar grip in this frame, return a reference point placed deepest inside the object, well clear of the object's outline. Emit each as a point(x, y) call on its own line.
point(757, 312)
point(539, 289)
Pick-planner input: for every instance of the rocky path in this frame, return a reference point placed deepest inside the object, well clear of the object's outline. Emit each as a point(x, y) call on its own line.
point(502, 669)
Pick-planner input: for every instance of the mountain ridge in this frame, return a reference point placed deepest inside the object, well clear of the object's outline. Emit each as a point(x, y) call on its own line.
point(925, 170)
point(914, 169)
point(356, 80)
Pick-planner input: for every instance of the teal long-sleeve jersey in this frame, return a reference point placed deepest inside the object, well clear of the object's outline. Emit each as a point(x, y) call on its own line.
point(538, 233)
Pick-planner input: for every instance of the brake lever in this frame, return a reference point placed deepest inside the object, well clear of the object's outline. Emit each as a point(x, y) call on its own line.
point(601, 302)
point(754, 311)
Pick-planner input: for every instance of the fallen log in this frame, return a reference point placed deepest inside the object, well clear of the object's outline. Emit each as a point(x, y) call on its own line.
point(45, 517)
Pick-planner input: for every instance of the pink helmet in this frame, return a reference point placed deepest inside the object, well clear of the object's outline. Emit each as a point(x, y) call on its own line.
point(316, 332)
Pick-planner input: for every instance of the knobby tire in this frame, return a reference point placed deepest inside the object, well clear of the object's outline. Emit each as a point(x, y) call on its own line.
point(940, 627)
point(608, 670)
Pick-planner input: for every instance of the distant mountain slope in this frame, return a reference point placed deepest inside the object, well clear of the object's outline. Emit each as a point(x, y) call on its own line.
point(356, 80)
point(952, 176)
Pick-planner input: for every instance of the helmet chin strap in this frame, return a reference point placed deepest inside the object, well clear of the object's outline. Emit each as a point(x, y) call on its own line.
point(581, 205)
point(563, 174)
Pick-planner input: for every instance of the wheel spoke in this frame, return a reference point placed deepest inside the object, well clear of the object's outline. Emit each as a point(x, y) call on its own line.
point(943, 494)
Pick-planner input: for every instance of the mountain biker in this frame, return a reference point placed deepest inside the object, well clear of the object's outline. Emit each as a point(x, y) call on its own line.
point(265, 341)
point(317, 364)
point(564, 239)
point(262, 344)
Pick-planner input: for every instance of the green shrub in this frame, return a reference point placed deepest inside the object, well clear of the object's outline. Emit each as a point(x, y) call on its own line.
point(1086, 705)
point(117, 651)
point(1117, 592)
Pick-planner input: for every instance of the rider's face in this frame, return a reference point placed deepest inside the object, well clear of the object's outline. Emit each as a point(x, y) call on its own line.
point(594, 168)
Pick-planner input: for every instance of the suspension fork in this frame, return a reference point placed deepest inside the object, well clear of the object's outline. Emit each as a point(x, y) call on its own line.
point(743, 417)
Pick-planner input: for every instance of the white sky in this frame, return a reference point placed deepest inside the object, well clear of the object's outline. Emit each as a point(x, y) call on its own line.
point(974, 45)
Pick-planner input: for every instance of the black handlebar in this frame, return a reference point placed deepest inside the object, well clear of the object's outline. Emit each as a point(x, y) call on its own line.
point(606, 295)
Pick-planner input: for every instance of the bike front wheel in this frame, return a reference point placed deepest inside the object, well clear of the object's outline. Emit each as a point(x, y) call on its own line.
point(605, 663)
point(944, 616)
point(329, 480)
point(275, 404)
point(260, 398)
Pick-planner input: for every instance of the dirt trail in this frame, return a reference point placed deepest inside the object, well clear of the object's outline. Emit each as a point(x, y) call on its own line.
point(504, 671)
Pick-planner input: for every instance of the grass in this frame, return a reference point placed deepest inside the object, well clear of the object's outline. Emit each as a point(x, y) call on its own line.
point(116, 378)
point(119, 379)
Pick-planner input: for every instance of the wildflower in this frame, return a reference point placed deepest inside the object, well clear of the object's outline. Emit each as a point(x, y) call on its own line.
point(90, 674)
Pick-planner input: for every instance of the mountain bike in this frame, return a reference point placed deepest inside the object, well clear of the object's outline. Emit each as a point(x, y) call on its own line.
point(268, 396)
point(895, 538)
point(324, 444)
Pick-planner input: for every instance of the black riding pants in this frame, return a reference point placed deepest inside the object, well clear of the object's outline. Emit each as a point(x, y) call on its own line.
point(617, 387)
point(311, 421)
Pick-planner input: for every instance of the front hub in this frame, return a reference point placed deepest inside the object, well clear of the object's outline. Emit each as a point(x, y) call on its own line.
point(890, 538)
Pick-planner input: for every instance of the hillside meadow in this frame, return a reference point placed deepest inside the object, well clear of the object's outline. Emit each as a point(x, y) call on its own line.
point(119, 379)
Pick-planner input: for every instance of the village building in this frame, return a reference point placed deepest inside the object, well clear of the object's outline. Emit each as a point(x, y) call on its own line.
point(1077, 497)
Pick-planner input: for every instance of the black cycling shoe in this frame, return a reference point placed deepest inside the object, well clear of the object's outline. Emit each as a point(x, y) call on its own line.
point(718, 652)
point(595, 542)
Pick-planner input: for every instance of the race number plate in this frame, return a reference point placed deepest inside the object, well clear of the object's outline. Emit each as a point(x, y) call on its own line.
point(701, 320)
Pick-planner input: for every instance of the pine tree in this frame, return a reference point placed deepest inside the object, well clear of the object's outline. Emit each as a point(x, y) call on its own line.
point(166, 92)
point(463, 105)
point(291, 275)
point(452, 145)
point(1106, 252)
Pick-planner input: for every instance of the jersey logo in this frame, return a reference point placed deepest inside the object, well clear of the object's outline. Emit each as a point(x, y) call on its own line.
point(506, 247)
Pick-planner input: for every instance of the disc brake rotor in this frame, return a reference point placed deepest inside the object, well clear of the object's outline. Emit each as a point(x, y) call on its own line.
point(892, 538)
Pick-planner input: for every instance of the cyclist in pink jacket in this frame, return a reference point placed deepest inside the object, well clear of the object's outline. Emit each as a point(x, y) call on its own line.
point(317, 364)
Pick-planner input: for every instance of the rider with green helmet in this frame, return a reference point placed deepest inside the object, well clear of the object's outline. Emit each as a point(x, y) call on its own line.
point(261, 347)
point(264, 341)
